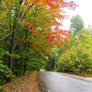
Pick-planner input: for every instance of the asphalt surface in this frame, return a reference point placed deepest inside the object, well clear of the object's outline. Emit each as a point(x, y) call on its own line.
point(59, 82)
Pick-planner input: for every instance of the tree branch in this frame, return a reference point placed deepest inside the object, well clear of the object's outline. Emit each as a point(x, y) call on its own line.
point(6, 36)
point(20, 2)
point(27, 11)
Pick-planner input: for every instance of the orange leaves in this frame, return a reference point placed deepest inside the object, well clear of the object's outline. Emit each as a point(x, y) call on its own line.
point(66, 40)
point(36, 1)
point(50, 54)
point(60, 0)
point(10, 1)
point(52, 3)
point(55, 23)
point(36, 45)
point(27, 24)
point(49, 17)
point(26, 82)
point(58, 45)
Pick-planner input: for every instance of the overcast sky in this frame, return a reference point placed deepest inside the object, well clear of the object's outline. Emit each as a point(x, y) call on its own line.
point(84, 10)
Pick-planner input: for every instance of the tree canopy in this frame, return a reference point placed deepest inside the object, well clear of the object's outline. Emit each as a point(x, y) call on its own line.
point(29, 29)
point(77, 24)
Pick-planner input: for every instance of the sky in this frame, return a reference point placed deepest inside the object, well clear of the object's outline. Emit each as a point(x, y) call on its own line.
point(83, 9)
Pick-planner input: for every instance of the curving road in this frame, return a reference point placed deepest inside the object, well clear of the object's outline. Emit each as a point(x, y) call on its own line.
point(59, 82)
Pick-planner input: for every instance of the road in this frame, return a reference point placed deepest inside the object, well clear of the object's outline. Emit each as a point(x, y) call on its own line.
point(60, 82)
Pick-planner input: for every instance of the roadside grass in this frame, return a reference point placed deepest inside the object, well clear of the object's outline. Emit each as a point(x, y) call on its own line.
point(86, 75)
point(24, 83)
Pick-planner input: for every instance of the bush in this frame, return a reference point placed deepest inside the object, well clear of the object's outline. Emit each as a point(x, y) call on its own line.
point(75, 60)
point(5, 73)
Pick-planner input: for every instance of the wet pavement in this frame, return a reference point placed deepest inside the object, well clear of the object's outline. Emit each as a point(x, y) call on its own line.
point(59, 82)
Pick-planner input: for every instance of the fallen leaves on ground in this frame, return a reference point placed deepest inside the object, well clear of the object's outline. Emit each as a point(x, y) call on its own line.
point(26, 83)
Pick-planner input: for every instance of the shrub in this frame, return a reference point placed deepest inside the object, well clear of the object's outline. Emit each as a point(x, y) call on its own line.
point(5, 73)
point(76, 60)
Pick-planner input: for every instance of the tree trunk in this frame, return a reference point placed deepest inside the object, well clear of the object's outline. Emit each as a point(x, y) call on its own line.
point(26, 49)
point(12, 47)
point(15, 27)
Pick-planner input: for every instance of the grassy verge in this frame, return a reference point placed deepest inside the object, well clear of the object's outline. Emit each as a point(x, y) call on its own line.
point(25, 83)
point(71, 73)
point(86, 75)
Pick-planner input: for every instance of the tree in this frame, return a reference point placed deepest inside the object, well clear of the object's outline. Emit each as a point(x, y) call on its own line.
point(77, 25)
point(27, 30)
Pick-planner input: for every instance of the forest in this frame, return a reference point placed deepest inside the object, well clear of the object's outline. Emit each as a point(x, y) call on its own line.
point(31, 39)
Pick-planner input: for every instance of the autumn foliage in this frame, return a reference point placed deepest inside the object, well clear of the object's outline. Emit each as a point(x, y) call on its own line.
point(42, 20)
point(28, 32)
point(53, 10)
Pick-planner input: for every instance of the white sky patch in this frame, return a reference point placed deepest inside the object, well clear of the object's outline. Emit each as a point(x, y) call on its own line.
point(84, 10)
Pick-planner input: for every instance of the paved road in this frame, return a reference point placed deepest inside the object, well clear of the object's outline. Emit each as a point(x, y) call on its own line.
point(59, 82)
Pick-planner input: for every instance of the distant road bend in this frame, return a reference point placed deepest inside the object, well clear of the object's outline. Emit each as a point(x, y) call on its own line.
point(59, 82)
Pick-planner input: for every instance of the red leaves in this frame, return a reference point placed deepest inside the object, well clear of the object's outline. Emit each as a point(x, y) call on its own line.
point(66, 40)
point(58, 45)
point(10, 1)
point(61, 48)
point(50, 38)
point(61, 43)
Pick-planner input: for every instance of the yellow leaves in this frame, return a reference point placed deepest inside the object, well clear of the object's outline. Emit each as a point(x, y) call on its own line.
point(40, 2)
point(2, 14)
point(27, 1)
point(85, 34)
point(80, 45)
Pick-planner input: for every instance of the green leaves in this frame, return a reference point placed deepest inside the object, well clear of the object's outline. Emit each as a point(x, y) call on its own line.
point(5, 73)
point(77, 25)
point(76, 60)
